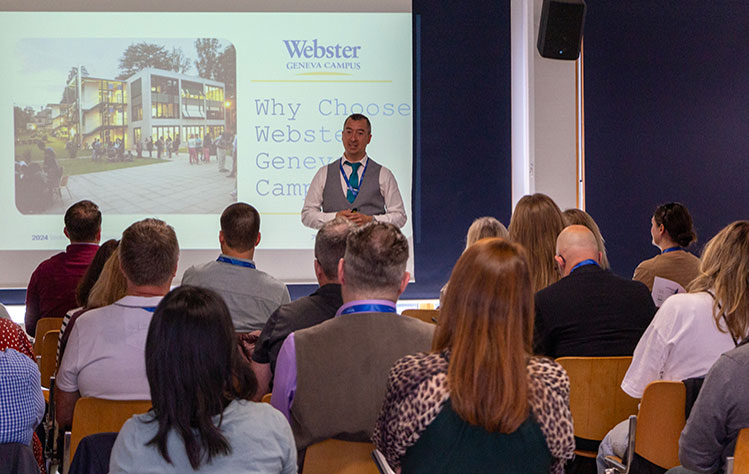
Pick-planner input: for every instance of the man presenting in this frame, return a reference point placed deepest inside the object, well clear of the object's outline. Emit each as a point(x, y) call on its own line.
point(354, 187)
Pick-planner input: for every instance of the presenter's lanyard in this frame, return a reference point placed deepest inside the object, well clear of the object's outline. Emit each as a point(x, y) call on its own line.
point(353, 190)
point(672, 249)
point(234, 261)
point(589, 261)
point(369, 308)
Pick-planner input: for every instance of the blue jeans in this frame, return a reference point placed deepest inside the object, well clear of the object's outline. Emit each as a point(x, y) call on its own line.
point(613, 444)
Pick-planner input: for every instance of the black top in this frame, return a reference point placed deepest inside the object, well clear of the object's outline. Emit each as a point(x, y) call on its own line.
point(300, 314)
point(591, 313)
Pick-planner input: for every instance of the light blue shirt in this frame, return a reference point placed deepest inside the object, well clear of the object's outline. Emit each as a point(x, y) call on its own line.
point(260, 439)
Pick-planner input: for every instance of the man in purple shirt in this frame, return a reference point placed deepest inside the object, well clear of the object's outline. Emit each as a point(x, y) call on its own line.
point(51, 290)
point(330, 379)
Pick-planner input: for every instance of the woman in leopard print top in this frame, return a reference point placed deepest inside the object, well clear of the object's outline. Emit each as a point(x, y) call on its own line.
point(479, 402)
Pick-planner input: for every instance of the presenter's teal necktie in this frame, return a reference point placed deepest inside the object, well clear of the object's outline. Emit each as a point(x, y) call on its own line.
point(353, 181)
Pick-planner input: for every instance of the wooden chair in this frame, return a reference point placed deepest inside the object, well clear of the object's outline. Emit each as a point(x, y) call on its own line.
point(333, 456)
point(42, 326)
point(48, 360)
point(427, 315)
point(597, 401)
point(96, 415)
point(659, 424)
point(741, 454)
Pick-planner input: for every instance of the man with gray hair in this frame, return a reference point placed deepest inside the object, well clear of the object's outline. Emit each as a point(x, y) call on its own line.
point(330, 245)
point(331, 378)
point(590, 311)
point(105, 355)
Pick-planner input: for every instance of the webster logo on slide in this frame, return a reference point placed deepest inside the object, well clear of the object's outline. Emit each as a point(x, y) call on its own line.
point(312, 54)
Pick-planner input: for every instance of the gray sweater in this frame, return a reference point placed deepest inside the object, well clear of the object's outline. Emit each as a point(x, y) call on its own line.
point(720, 412)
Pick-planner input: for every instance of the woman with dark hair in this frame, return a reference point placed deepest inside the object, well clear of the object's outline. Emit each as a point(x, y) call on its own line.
point(479, 400)
point(202, 418)
point(672, 232)
point(535, 224)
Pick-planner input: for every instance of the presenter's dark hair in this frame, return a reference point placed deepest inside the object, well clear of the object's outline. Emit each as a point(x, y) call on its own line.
point(330, 245)
point(194, 370)
point(83, 221)
point(94, 270)
point(356, 118)
point(676, 220)
point(240, 224)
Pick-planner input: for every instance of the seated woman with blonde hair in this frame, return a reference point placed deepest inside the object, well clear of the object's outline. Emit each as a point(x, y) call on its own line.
point(481, 228)
point(479, 400)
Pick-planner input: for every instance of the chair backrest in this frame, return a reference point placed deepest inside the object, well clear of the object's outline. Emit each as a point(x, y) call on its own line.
point(48, 361)
point(660, 422)
point(741, 454)
point(333, 456)
point(42, 326)
point(597, 401)
point(63, 181)
point(96, 415)
point(427, 315)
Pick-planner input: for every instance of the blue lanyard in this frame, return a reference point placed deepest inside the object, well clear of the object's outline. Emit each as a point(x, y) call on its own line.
point(233, 261)
point(150, 309)
point(369, 308)
point(589, 261)
point(672, 249)
point(354, 190)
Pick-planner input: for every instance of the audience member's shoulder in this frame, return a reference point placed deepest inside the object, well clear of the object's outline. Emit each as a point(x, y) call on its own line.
point(647, 265)
point(549, 385)
point(737, 358)
point(413, 370)
point(547, 372)
point(270, 279)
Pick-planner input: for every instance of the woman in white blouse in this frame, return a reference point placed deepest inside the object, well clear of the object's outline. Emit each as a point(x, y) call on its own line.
point(691, 330)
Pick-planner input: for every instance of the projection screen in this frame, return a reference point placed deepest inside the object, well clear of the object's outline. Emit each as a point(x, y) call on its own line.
point(90, 84)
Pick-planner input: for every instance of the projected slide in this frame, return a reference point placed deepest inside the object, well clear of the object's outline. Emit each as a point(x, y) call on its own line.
point(177, 115)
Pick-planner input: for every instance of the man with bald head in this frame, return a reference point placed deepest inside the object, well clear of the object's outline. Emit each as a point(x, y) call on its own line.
point(590, 311)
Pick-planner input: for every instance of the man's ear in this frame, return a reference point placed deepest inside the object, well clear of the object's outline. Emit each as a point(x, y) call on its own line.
point(221, 239)
point(560, 263)
point(404, 282)
point(258, 239)
point(65, 231)
point(340, 271)
point(600, 257)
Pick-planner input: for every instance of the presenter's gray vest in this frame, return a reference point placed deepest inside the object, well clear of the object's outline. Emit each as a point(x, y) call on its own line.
point(369, 201)
point(342, 371)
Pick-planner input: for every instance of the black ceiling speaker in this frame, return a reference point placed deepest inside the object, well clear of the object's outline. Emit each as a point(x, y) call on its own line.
point(561, 29)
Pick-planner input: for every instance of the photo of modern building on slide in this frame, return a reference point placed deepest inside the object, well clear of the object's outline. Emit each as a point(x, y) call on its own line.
point(145, 138)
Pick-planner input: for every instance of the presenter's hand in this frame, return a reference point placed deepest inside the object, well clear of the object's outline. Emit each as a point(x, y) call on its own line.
point(359, 218)
point(347, 213)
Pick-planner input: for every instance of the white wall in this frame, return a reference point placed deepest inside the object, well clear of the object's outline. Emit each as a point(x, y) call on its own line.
point(544, 114)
